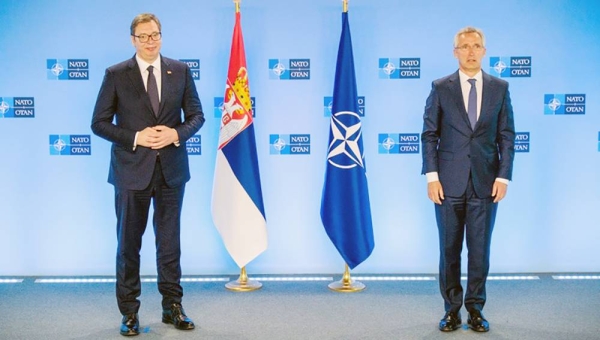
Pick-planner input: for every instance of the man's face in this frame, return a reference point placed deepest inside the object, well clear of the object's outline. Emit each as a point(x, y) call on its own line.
point(150, 49)
point(469, 52)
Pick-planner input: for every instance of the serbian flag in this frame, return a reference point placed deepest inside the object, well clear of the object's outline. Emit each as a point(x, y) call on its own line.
point(237, 205)
point(345, 206)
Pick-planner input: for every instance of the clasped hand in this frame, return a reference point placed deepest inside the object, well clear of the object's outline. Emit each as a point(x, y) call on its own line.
point(157, 137)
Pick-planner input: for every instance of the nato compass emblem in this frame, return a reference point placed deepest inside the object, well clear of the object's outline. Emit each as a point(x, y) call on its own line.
point(279, 144)
point(345, 149)
point(278, 69)
point(554, 104)
point(500, 66)
point(388, 143)
point(389, 68)
point(57, 69)
point(59, 145)
point(4, 107)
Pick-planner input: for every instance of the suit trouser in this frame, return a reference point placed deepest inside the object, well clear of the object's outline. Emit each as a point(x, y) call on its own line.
point(132, 208)
point(455, 216)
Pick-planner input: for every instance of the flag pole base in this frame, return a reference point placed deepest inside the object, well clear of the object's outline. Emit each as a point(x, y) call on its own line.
point(346, 284)
point(243, 284)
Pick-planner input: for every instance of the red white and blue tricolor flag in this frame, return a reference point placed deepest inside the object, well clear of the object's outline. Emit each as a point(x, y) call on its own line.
point(345, 206)
point(237, 204)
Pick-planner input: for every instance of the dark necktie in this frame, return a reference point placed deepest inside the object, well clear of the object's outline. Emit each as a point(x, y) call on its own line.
point(472, 110)
point(153, 90)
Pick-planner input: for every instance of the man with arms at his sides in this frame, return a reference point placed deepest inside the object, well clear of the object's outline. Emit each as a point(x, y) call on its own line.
point(468, 150)
point(145, 96)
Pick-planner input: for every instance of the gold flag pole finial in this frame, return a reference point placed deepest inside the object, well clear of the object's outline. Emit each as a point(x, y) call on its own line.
point(346, 284)
point(345, 7)
point(243, 284)
point(237, 5)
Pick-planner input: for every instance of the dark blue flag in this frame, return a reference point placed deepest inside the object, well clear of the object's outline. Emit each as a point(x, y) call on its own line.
point(345, 207)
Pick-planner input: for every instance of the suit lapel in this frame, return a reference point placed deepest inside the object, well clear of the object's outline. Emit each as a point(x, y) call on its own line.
point(456, 93)
point(137, 83)
point(487, 91)
point(167, 82)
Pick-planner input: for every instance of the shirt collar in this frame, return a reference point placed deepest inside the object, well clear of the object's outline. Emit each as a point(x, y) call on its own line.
point(144, 64)
point(464, 78)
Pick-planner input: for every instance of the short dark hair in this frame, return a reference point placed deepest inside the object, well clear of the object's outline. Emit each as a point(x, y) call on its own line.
point(143, 18)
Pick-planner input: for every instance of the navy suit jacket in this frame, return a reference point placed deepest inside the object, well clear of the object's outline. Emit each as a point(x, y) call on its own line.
point(123, 108)
point(454, 150)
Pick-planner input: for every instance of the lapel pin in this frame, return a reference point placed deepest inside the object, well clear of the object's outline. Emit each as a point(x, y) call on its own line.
point(168, 71)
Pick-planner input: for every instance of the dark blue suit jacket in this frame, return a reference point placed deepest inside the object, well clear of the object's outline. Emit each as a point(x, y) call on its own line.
point(454, 150)
point(123, 98)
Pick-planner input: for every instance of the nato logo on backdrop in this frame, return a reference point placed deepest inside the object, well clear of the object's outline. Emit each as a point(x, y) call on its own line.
point(289, 69)
point(67, 69)
point(218, 106)
point(17, 107)
point(399, 143)
point(194, 145)
point(564, 104)
point(522, 142)
point(70, 145)
point(298, 144)
point(328, 106)
point(194, 65)
point(399, 68)
point(510, 67)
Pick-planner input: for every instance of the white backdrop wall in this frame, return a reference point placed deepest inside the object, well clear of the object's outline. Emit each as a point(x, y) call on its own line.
point(57, 212)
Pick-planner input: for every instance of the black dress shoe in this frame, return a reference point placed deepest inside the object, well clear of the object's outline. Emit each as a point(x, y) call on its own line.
point(477, 322)
point(130, 325)
point(450, 322)
point(176, 316)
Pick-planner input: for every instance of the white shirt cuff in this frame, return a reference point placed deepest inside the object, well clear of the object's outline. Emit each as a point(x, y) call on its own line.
point(135, 140)
point(432, 177)
point(502, 180)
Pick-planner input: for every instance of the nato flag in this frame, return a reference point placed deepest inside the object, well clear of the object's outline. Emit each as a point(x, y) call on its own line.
point(345, 207)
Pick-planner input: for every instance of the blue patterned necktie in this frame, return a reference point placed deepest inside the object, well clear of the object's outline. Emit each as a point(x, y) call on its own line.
point(152, 90)
point(472, 108)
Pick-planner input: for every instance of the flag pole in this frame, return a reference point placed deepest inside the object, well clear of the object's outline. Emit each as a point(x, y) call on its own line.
point(346, 284)
point(243, 284)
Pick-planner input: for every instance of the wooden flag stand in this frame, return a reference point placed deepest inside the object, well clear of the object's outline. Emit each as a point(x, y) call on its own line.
point(243, 284)
point(346, 284)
